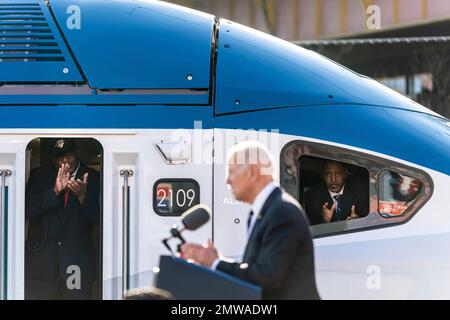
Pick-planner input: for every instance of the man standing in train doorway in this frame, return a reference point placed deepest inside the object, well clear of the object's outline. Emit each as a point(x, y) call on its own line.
point(62, 206)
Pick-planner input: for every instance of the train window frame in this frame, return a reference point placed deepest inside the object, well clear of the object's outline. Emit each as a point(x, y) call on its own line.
point(375, 166)
point(172, 180)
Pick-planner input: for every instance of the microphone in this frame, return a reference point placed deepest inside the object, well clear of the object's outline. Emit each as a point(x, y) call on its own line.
point(192, 219)
point(195, 217)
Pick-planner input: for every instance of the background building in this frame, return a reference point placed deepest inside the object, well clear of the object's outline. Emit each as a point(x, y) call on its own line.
point(405, 44)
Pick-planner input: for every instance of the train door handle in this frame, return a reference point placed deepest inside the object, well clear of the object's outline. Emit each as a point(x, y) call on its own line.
point(174, 153)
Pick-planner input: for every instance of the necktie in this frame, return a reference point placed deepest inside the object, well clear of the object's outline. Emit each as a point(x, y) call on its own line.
point(338, 199)
point(249, 220)
point(66, 198)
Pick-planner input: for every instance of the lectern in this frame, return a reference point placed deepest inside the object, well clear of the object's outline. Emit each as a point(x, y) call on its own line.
point(188, 281)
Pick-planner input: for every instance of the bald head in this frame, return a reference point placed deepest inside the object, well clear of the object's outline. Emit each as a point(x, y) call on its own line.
point(250, 168)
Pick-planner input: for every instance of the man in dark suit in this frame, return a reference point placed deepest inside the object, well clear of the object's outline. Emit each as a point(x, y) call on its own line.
point(62, 206)
point(337, 197)
point(279, 254)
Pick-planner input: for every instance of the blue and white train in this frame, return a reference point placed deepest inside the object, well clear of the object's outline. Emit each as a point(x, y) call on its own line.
point(160, 92)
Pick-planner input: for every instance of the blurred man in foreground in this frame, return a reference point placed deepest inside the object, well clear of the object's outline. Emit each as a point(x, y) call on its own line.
point(279, 254)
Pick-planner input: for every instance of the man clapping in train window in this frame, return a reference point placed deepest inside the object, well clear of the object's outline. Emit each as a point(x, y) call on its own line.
point(62, 206)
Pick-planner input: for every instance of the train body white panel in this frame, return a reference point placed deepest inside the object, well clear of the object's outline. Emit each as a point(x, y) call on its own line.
point(395, 262)
point(122, 149)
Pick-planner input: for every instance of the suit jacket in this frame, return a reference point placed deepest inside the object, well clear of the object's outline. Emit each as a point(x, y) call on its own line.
point(59, 237)
point(355, 193)
point(279, 254)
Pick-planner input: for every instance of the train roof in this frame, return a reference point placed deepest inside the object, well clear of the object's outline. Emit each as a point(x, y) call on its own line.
point(74, 53)
point(113, 44)
point(133, 46)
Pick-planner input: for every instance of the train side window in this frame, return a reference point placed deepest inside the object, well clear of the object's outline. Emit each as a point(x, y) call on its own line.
point(397, 192)
point(392, 192)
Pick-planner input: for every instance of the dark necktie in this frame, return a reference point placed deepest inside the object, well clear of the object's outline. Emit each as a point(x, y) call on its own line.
point(67, 193)
point(66, 198)
point(249, 220)
point(338, 199)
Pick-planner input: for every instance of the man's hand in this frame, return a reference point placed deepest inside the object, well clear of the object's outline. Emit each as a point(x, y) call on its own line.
point(62, 179)
point(203, 255)
point(353, 214)
point(79, 187)
point(327, 214)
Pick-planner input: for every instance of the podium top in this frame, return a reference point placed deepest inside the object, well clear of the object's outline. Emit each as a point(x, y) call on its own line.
point(189, 281)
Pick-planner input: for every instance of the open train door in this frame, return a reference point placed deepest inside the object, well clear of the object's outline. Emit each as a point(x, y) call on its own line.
point(141, 111)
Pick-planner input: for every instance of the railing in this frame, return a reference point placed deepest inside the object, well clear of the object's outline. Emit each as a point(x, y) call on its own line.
point(125, 230)
point(3, 232)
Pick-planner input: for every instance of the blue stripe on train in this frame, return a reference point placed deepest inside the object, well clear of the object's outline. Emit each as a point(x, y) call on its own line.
point(411, 136)
point(105, 117)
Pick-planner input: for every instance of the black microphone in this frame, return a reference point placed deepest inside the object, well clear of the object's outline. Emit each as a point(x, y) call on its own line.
point(195, 217)
point(192, 219)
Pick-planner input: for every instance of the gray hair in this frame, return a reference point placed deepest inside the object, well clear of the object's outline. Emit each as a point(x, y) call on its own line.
point(252, 152)
point(149, 293)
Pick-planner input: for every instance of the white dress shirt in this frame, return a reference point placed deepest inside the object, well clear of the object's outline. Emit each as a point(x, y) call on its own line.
point(74, 174)
point(257, 206)
point(333, 194)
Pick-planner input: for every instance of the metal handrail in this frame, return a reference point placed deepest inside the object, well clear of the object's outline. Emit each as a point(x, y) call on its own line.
point(3, 232)
point(125, 230)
